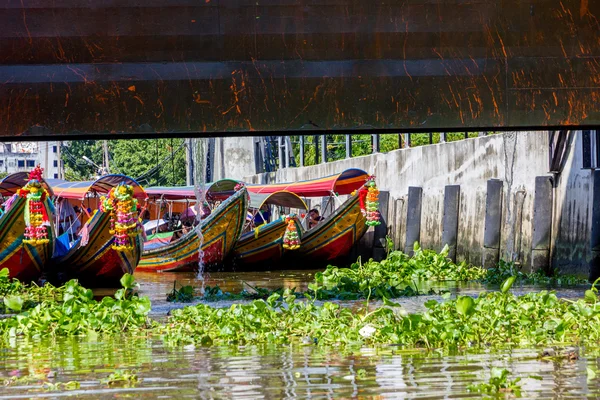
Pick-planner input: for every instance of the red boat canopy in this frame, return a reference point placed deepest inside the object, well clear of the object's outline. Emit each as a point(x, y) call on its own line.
point(80, 190)
point(342, 183)
point(218, 190)
point(13, 182)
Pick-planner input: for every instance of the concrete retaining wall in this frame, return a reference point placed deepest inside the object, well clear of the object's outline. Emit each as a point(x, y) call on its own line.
point(515, 158)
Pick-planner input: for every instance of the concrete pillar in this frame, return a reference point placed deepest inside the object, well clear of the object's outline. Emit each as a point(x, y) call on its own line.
point(380, 231)
point(450, 219)
point(280, 155)
point(442, 137)
point(595, 234)
point(413, 218)
point(493, 223)
point(542, 223)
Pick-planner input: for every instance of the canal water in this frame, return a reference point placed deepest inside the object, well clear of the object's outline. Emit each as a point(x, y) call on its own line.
point(282, 371)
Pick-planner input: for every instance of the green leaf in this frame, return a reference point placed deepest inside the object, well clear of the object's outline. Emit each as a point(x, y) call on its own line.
point(128, 281)
point(507, 284)
point(4, 273)
point(590, 296)
point(14, 303)
point(389, 303)
point(465, 305)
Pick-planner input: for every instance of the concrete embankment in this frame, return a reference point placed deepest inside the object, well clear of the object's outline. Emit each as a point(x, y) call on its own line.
point(489, 198)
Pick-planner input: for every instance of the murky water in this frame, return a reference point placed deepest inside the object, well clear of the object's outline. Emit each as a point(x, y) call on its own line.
point(277, 372)
point(285, 371)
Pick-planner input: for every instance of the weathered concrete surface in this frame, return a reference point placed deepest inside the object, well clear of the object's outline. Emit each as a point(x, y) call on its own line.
point(515, 158)
point(233, 157)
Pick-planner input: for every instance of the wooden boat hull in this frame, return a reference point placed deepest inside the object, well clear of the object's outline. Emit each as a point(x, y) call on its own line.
point(220, 232)
point(24, 261)
point(263, 247)
point(334, 237)
point(97, 264)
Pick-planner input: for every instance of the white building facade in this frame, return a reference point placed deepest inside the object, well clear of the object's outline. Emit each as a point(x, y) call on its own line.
point(24, 156)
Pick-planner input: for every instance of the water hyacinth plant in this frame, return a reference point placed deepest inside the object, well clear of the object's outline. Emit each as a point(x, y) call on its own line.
point(78, 313)
point(495, 319)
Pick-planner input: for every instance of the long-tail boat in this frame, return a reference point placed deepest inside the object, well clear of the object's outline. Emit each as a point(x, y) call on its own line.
point(26, 225)
point(220, 230)
point(333, 237)
point(264, 243)
point(110, 242)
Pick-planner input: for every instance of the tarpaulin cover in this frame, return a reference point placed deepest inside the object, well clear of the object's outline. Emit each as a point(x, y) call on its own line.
point(13, 182)
point(103, 185)
point(343, 183)
point(282, 198)
point(218, 190)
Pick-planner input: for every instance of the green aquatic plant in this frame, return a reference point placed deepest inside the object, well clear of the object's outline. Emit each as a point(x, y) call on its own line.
point(79, 313)
point(123, 378)
point(396, 276)
point(495, 319)
point(506, 269)
point(184, 295)
point(499, 383)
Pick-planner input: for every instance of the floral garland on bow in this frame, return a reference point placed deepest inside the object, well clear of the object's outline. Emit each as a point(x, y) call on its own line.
point(291, 239)
point(35, 215)
point(123, 221)
point(368, 196)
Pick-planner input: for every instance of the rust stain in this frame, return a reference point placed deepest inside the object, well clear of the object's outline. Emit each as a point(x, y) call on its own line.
point(131, 88)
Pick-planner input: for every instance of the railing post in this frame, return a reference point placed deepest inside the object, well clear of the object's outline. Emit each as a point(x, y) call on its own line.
point(431, 138)
point(323, 148)
point(301, 140)
point(376, 146)
point(286, 153)
point(442, 137)
point(348, 146)
point(407, 141)
point(316, 143)
point(280, 152)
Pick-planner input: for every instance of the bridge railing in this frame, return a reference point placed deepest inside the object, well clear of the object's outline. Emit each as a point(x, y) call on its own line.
point(292, 151)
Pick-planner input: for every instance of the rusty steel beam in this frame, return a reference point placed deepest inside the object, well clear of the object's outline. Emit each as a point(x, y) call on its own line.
point(185, 67)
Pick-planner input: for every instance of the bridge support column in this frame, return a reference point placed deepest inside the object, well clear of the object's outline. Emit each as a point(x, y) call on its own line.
point(413, 218)
point(542, 223)
point(450, 219)
point(493, 223)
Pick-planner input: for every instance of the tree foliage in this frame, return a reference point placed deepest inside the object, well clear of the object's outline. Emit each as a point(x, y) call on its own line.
point(147, 159)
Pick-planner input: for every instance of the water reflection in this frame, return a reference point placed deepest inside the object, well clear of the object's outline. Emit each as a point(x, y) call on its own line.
point(290, 371)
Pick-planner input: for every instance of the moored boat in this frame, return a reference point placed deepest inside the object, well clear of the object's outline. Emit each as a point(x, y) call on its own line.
point(263, 246)
point(110, 242)
point(26, 225)
point(220, 231)
point(333, 238)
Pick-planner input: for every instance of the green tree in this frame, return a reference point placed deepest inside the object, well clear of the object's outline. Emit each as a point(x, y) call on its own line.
point(72, 153)
point(154, 161)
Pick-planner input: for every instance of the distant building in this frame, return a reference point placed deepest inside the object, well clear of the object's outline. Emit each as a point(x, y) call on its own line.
point(24, 156)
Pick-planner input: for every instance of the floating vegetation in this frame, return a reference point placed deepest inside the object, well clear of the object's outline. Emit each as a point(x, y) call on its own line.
point(506, 269)
point(78, 313)
point(498, 384)
point(396, 276)
point(184, 295)
point(123, 378)
point(494, 319)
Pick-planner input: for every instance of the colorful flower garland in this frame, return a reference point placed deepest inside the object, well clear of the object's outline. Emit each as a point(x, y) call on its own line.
point(291, 239)
point(35, 215)
point(368, 196)
point(123, 220)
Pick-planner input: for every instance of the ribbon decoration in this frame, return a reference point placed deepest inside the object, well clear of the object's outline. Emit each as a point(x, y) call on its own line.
point(291, 239)
point(123, 222)
point(35, 215)
point(368, 197)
